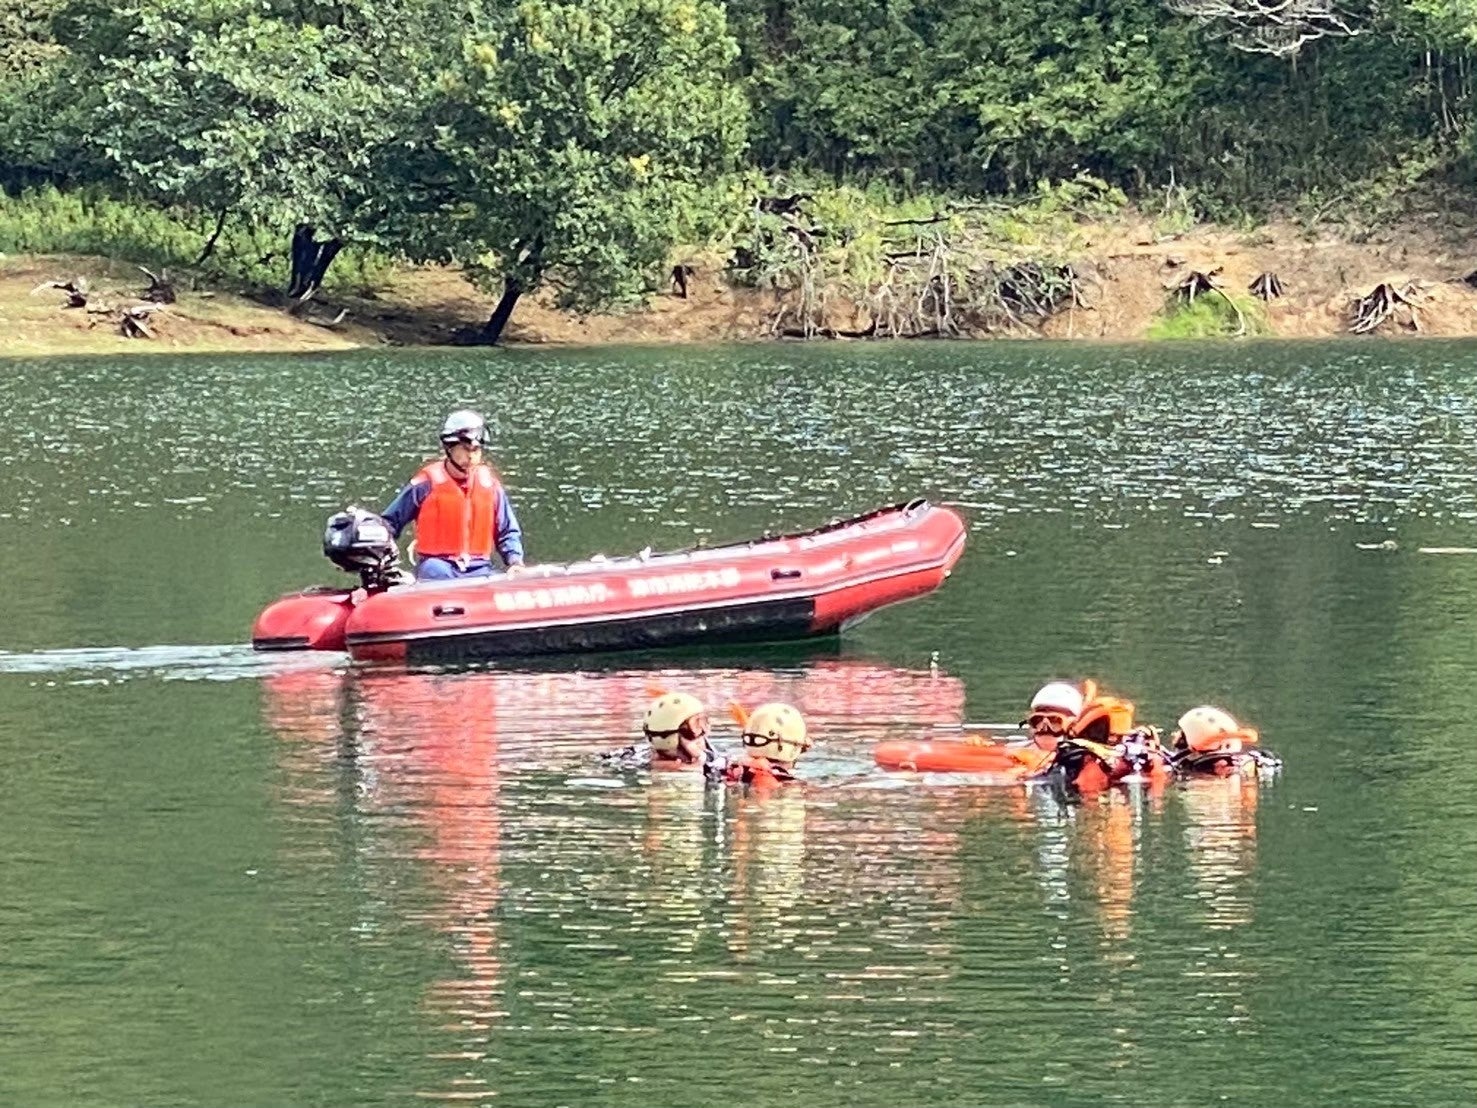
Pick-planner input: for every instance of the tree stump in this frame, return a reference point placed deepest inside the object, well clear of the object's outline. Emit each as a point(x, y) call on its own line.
point(76, 290)
point(1266, 286)
point(134, 322)
point(161, 288)
point(1385, 302)
point(1195, 283)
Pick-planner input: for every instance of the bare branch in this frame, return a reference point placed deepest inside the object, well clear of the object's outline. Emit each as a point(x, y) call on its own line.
point(1277, 27)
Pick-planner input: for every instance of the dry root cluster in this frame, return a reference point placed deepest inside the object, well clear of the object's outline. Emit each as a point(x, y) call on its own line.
point(133, 321)
point(1384, 303)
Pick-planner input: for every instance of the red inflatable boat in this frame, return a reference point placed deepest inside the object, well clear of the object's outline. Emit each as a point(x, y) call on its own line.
point(794, 586)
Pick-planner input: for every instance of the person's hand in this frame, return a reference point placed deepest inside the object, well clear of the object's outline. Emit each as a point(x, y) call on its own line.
point(516, 568)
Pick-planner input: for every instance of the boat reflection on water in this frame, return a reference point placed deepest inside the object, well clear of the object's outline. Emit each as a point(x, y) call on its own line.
point(479, 810)
point(489, 782)
point(420, 749)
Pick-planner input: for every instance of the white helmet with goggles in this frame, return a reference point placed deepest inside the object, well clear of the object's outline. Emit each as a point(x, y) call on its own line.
point(1058, 696)
point(467, 427)
point(671, 718)
point(777, 732)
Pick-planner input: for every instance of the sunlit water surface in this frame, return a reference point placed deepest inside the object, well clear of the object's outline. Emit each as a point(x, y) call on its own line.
point(241, 879)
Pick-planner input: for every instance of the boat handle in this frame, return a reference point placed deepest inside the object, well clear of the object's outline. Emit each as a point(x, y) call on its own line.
point(784, 574)
point(442, 611)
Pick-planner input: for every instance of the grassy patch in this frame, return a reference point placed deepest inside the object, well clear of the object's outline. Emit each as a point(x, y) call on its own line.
point(1211, 316)
point(88, 222)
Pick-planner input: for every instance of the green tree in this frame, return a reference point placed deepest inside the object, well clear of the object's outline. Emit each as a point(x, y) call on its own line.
point(273, 114)
point(26, 44)
point(29, 59)
point(572, 142)
point(979, 94)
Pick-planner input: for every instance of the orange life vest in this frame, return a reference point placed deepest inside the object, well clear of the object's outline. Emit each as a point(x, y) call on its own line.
point(1103, 719)
point(457, 521)
point(759, 772)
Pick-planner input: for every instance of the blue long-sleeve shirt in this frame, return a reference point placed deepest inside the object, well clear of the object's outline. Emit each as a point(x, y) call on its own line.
point(507, 536)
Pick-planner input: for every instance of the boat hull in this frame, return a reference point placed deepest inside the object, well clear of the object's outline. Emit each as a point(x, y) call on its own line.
point(792, 587)
point(311, 620)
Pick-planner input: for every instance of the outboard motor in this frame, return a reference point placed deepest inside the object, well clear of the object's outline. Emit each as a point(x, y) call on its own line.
point(360, 542)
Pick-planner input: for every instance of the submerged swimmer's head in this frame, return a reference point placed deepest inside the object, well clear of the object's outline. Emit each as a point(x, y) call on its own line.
point(1206, 728)
point(676, 726)
point(777, 732)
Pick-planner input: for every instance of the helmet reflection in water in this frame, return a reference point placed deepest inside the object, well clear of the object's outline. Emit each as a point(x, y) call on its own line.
point(768, 845)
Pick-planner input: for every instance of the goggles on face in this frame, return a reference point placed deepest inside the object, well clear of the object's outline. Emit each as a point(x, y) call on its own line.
point(750, 738)
point(695, 727)
point(1054, 723)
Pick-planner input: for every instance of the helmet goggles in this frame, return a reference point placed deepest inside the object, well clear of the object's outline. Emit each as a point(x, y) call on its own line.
point(1048, 721)
point(470, 438)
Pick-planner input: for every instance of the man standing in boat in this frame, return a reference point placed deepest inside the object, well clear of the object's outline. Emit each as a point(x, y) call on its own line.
point(460, 510)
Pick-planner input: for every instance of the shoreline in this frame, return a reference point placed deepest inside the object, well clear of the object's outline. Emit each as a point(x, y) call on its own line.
point(1124, 280)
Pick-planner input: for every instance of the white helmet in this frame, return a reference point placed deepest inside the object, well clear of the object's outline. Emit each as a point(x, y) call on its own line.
point(666, 717)
point(1060, 696)
point(776, 731)
point(465, 425)
point(1199, 727)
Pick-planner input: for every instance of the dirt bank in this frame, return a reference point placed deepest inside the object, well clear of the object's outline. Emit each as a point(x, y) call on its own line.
point(1124, 269)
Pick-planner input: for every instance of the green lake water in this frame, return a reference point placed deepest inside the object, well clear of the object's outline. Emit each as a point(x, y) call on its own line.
point(231, 879)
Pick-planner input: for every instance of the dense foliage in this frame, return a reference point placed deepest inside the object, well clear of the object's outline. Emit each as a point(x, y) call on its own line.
point(577, 141)
point(570, 141)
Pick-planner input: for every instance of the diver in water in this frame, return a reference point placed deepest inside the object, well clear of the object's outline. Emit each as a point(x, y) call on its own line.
point(1101, 745)
point(774, 736)
point(1208, 740)
point(1053, 708)
point(676, 730)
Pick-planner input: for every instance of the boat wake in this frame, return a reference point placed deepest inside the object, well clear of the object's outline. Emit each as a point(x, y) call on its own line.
point(106, 664)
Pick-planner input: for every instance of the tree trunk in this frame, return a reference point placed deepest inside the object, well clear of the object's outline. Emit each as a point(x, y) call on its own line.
point(209, 248)
point(310, 261)
point(492, 330)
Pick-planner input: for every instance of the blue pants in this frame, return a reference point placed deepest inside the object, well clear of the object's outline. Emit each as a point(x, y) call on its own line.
point(444, 569)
